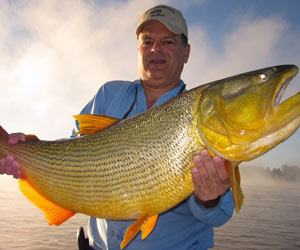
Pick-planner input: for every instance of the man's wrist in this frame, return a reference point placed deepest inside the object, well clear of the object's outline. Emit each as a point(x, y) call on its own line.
point(210, 203)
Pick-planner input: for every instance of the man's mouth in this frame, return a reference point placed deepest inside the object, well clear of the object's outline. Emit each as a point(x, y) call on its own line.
point(157, 61)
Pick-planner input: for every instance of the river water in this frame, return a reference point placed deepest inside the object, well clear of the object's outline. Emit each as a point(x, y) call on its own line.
point(269, 219)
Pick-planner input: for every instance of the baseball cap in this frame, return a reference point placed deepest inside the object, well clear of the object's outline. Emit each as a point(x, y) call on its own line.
point(169, 16)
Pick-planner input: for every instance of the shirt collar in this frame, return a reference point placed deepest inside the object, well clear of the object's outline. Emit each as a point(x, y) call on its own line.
point(141, 104)
point(168, 95)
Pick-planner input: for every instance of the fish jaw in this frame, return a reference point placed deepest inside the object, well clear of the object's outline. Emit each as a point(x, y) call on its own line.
point(240, 117)
point(271, 140)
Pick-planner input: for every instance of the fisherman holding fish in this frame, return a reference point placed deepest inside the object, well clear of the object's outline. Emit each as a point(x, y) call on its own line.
point(163, 50)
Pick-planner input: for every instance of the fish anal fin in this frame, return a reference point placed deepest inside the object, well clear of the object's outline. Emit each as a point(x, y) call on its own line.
point(132, 230)
point(91, 124)
point(54, 213)
point(235, 183)
point(148, 226)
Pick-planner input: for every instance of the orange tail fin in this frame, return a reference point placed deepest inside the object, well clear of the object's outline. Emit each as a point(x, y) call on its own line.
point(54, 213)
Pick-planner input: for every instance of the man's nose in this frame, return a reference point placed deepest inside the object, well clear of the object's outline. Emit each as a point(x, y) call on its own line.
point(156, 47)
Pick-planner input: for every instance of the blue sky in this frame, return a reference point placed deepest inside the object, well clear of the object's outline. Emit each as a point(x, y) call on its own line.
point(54, 55)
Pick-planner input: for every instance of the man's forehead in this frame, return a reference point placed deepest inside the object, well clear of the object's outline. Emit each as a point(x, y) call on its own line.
point(148, 35)
point(156, 28)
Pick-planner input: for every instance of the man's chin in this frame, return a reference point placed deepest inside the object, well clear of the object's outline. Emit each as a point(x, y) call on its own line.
point(157, 74)
point(157, 77)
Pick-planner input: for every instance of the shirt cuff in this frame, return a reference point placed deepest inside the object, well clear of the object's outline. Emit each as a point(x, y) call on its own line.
point(213, 216)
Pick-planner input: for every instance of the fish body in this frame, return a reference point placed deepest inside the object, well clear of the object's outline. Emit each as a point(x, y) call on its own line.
point(140, 167)
point(133, 168)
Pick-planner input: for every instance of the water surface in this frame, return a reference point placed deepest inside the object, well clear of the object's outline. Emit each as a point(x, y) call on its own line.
point(269, 219)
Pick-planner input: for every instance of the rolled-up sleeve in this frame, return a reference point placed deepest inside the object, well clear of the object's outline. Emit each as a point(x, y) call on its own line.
point(216, 216)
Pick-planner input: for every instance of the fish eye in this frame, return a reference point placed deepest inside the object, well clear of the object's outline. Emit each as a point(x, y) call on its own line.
point(263, 77)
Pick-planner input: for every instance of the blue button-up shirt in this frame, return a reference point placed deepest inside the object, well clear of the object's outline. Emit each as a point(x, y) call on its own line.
point(186, 226)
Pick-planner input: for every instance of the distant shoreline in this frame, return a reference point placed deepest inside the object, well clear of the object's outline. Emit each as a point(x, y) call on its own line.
point(288, 176)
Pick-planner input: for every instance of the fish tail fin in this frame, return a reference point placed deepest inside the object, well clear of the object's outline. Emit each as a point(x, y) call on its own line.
point(54, 213)
point(235, 183)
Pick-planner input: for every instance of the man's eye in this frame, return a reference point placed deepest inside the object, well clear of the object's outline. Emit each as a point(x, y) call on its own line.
point(147, 43)
point(169, 42)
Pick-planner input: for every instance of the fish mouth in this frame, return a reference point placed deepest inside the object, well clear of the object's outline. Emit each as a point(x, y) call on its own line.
point(293, 70)
point(284, 112)
point(281, 91)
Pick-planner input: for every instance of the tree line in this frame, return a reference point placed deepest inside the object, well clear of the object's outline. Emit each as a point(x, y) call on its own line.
point(258, 174)
point(287, 173)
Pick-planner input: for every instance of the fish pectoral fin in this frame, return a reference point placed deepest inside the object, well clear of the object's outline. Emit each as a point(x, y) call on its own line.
point(235, 183)
point(91, 124)
point(54, 213)
point(148, 226)
point(145, 224)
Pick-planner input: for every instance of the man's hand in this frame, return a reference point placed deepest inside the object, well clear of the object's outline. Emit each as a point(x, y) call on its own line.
point(210, 179)
point(9, 165)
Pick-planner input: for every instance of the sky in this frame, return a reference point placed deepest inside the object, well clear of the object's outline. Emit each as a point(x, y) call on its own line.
point(54, 55)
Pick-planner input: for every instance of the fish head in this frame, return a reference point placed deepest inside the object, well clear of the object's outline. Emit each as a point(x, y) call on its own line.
point(241, 117)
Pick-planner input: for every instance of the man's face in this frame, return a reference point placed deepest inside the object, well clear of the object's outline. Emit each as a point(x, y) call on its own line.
point(161, 54)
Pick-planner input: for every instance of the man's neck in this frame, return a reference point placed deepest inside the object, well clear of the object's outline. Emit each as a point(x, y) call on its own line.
point(153, 94)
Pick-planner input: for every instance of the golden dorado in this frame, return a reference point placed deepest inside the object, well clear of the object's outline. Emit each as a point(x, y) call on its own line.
point(140, 167)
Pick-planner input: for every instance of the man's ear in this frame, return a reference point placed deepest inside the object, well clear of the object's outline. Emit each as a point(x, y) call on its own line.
point(187, 50)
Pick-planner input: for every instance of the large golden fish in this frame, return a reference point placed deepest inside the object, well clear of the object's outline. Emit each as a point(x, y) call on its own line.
point(140, 167)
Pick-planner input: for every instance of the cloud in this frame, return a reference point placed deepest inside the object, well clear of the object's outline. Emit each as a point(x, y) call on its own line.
point(55, 55)
point(251, 44)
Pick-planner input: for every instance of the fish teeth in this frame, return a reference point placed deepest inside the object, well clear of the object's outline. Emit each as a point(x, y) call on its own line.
point(281, 91)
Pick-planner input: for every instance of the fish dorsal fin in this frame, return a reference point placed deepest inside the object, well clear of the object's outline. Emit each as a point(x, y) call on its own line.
point(146, 224)
point(235, 183)
point(54, 213)
point(91, 124)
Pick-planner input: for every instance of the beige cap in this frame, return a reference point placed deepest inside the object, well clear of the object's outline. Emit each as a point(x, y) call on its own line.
point(170, 17)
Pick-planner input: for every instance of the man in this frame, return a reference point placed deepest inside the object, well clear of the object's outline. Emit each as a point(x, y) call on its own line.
point(162, 52)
